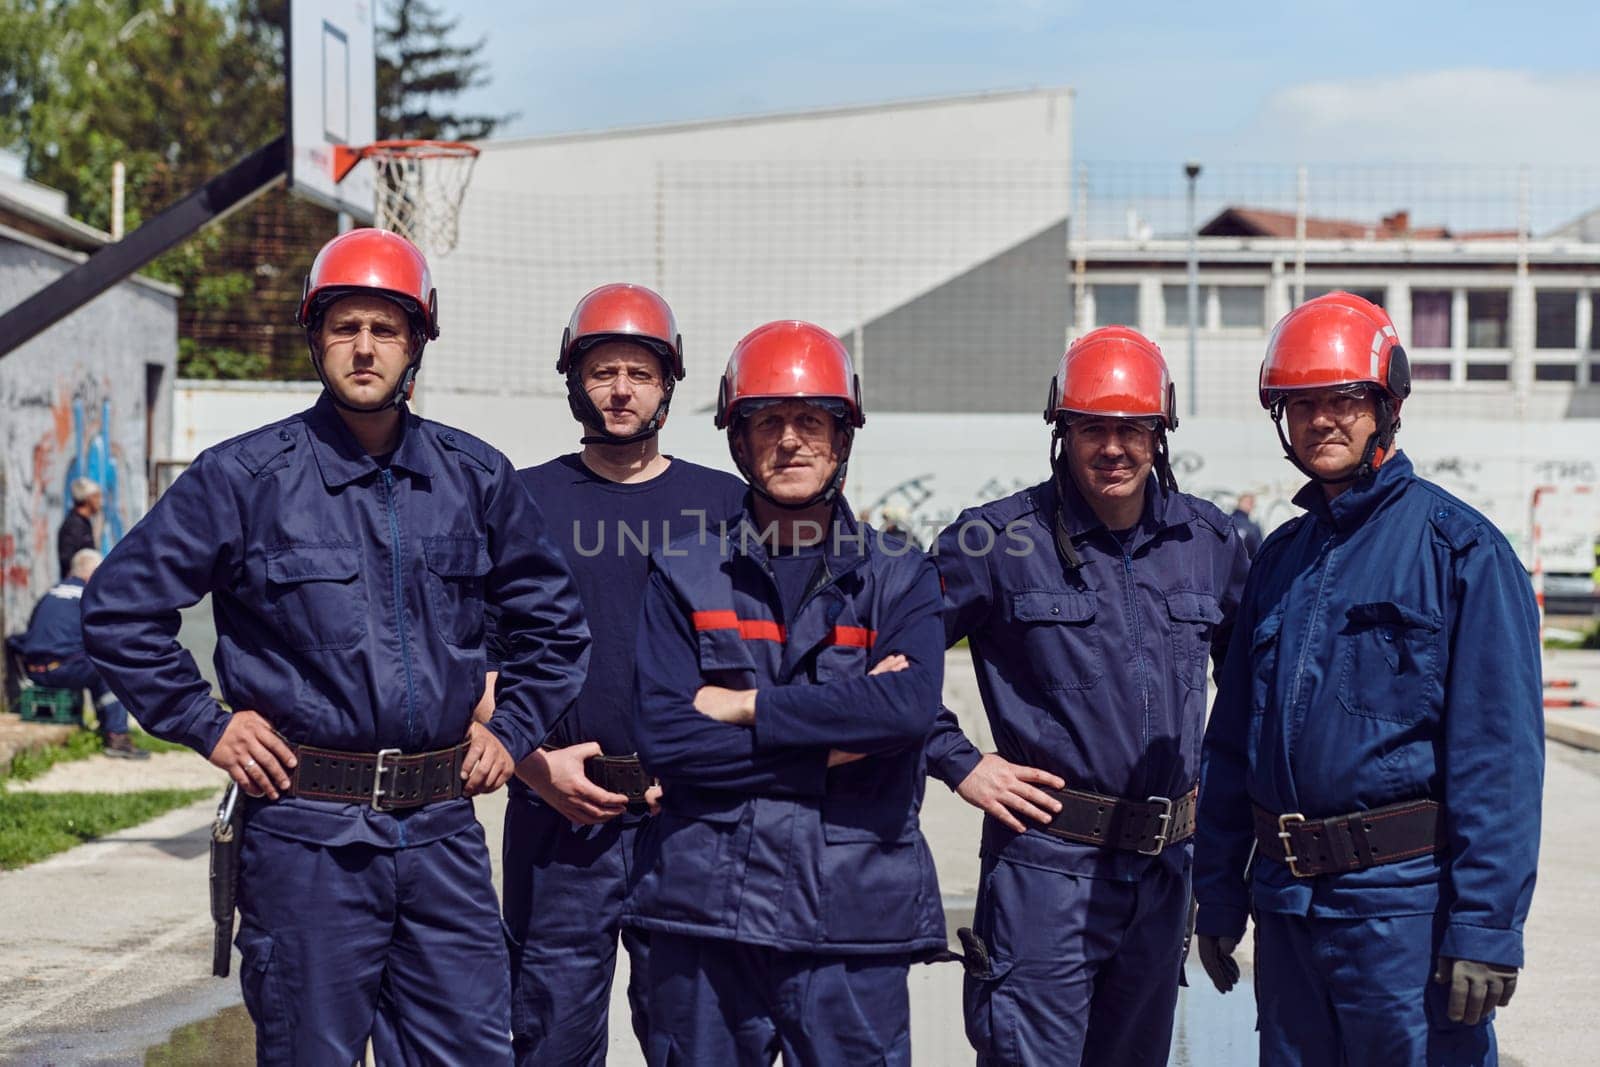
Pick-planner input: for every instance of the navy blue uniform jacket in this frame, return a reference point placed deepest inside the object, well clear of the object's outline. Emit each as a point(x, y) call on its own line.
point(349, 602)
point(1388, 650)
point(1097, 674)
point(758, 841)
point(55, 630)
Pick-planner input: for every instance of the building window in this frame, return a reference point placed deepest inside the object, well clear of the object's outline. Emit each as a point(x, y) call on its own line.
point(1430, 318)
point(1175, 306)
point(1430, 371)
point(1488, 313)
point(1371, 296)
point(1555, 372)
point(1242, 306)
point(1555, 319)
point(1488, 372)
point(1116, 305)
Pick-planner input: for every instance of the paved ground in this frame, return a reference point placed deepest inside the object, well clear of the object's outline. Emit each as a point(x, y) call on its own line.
point(115, 944)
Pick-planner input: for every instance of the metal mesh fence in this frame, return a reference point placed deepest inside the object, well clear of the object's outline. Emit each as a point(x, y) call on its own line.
point(957, 282)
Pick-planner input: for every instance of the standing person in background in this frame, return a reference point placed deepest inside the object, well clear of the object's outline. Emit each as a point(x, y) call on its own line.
point(350, 552)
point(77, 529)
point(577, 804)
point(1243, 521)
point(1371, 786)
point(1093, 603)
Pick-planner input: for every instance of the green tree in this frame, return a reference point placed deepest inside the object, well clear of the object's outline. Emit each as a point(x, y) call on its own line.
point(178, 90)
point(417, 66)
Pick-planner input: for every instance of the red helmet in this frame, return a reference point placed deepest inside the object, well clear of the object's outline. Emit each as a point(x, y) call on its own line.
point(1113, 371)
point(789, 360)
point(1336, 339)
point(622, 312)
point(375, 261)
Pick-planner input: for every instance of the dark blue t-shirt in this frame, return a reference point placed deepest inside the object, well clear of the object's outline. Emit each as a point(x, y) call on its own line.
point(607, 530)
point(793, 568)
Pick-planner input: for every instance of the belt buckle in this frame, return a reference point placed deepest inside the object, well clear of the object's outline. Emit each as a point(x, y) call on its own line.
point(1286, 820)
point(1164, 820)
point(378, 791)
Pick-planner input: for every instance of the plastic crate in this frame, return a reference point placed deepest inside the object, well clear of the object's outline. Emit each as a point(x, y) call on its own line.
point(40, 704)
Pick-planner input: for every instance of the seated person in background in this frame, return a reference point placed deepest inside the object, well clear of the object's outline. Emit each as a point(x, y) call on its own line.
point(52, 653)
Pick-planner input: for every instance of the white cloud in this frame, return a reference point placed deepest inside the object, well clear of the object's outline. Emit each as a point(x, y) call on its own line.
point(1480, 116)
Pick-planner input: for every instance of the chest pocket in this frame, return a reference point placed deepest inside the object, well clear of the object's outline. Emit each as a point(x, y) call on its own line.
point(456, 570)
point(727, 658)
point(317, 595)
point(1058, 634)
point(1389, 665)
point(1194, 618)
point(1264, 648)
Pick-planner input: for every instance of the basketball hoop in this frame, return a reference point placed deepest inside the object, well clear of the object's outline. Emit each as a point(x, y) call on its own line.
point(419, 184)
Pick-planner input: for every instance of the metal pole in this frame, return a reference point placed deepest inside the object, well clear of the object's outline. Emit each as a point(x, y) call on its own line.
point(216, 199)
point(1192, 171)
point(119, 178)
point(1302, 199)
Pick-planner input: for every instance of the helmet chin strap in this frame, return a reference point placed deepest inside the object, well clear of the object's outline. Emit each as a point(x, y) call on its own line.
point(588, 414)
point(1380, 446)
point(396, 400)
point(827, 495)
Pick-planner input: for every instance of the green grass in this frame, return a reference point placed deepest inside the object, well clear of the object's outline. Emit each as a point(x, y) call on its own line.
point(36, 825)
point(80, 744)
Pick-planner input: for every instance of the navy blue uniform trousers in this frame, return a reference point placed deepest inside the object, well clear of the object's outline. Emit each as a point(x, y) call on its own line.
point(738, 1005)
point(1081, 970)
point(343, 941)
point(1350, 991)
point(564, 890)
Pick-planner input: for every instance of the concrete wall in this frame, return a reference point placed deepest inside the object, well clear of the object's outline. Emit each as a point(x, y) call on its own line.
point(74, 401)
point(935, 464)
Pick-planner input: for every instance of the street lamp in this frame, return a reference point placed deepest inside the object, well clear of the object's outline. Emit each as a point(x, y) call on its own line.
point(1191, 171)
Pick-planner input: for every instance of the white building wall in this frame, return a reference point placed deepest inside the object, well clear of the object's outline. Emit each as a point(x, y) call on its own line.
point(934, 465)
point(836, 216)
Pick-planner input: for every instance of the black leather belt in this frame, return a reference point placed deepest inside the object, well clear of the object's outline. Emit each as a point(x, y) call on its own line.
point(1143, 826)
point(1352, 842)
point(620, 774)
point(387, 780)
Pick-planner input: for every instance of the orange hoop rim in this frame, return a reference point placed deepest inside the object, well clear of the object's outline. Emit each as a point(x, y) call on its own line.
point(345, 157)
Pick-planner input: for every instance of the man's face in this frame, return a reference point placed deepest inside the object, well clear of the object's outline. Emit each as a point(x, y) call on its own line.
point(1110, 459)
point(366, 346)
point(791, 449)
point(1329, 428)
point(94, 502)
point(624, 382)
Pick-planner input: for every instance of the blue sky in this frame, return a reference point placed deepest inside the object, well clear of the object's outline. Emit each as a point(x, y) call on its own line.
point(1243, 82)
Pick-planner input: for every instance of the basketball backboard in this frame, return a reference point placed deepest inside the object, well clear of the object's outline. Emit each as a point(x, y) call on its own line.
point(331, 66)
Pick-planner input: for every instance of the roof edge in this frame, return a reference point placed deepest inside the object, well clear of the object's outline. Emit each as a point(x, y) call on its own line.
point(76, 257)
point(828, 111)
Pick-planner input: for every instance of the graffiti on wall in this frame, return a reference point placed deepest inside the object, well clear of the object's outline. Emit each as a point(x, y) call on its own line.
point(53, 433)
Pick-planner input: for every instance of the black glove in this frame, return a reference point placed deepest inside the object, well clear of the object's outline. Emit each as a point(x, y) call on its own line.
point(1476, 988)
point(1216, 956)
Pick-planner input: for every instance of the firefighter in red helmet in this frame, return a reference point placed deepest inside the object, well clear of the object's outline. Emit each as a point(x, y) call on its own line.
point(351, 553)
point(788, 672)
point(1092, 604)
point(579, 803)
point(1370, 785)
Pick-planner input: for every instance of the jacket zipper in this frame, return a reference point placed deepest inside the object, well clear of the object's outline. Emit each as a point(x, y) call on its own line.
point(399, 604)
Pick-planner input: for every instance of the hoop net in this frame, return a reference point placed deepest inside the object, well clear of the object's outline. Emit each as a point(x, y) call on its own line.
point(420, 185)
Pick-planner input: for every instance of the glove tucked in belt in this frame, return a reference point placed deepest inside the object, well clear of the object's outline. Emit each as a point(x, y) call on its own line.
point(388, 780)
point(1143, 826)
point(1352, 842)
point(620, 774)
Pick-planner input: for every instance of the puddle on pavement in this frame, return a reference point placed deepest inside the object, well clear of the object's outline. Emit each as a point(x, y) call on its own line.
point(227, 1039)
point(1211, 1030)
